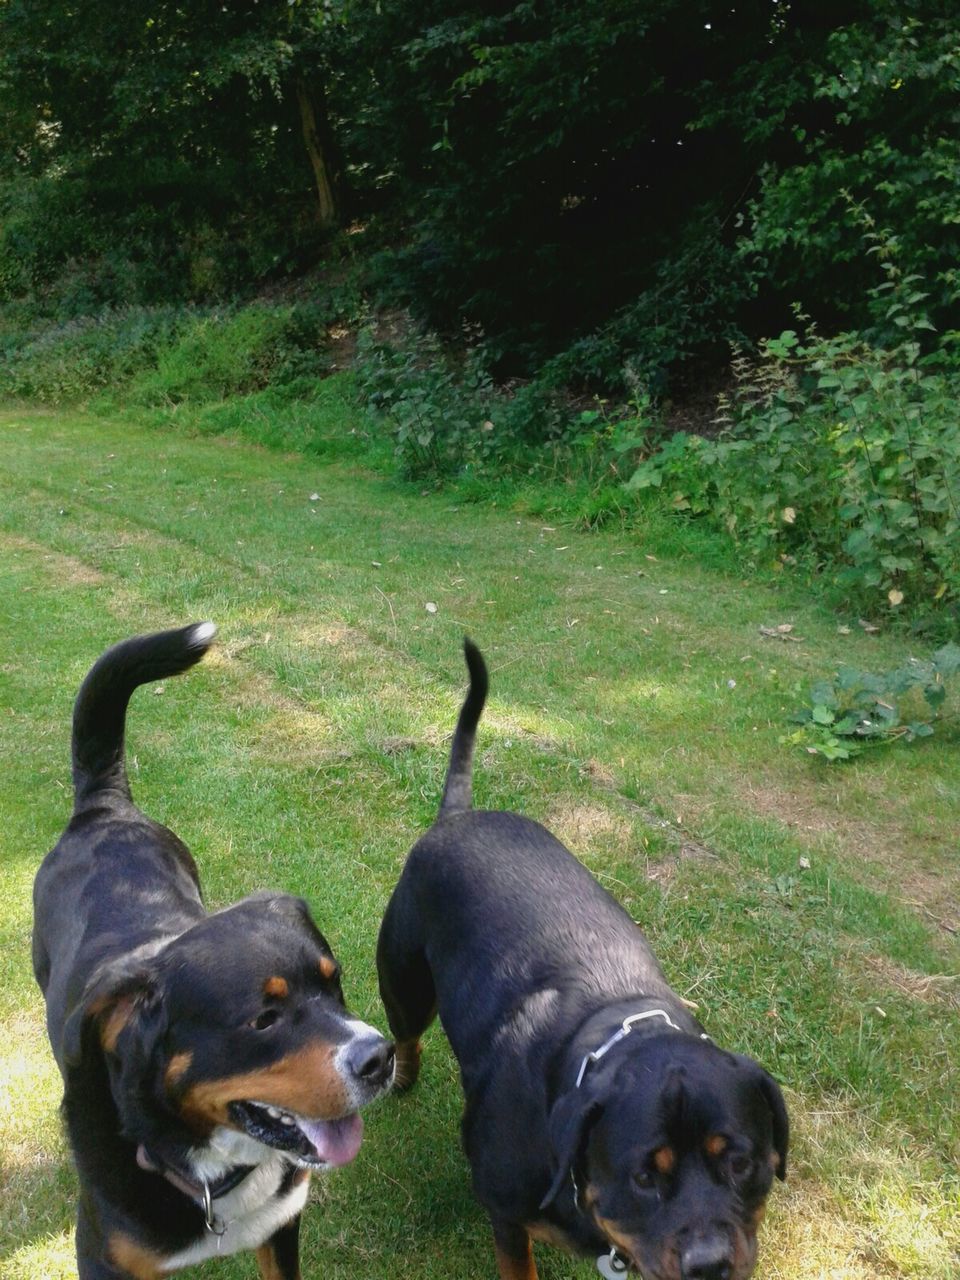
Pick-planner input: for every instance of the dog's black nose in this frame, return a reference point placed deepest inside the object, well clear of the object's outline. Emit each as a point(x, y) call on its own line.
point(371, 1061)
point(707, 1259)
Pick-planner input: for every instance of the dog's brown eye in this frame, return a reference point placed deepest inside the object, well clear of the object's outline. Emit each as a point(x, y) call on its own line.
point(643, 1180)
point(265, 1020)
point(739, 1165)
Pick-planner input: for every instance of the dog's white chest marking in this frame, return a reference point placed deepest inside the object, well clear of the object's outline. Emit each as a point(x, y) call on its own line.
point(248, 1215)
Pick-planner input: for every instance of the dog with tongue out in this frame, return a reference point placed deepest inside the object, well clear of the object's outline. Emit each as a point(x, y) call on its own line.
point(209, 1061)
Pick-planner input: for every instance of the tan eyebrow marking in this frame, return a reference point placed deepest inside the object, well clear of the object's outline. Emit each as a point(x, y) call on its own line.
point(115, 1021)
point(276, 987)
point(177, 1067)
point(715, 1144)
point(327, 966)
point(665, 1158)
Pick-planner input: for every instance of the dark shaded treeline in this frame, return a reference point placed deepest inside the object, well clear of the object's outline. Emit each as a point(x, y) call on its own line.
point(594, 184)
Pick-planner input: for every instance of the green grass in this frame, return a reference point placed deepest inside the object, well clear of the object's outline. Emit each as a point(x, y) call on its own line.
point(635, 708)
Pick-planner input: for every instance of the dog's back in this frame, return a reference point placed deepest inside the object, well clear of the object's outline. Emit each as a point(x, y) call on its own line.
point(507, 879)
point(491, 912)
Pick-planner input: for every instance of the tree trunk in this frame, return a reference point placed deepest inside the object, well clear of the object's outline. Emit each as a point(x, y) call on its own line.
point(311, 119)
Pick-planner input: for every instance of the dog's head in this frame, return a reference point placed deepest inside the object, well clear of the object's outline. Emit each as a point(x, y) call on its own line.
point(235, 1034)
point(673, 1145)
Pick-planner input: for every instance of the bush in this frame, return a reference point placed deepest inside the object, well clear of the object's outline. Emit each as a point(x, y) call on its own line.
point(839, 453)
point(72, 361)
point(222, 353)
point(439, 409)
point(446, 417)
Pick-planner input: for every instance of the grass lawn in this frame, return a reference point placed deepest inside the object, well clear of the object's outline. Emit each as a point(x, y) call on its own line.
point(810, 911)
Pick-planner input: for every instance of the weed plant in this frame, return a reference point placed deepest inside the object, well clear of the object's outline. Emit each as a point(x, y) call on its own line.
point(839, 454)
point(857, 709)
point(68, 362)
point(438, 410)
point(224, 354)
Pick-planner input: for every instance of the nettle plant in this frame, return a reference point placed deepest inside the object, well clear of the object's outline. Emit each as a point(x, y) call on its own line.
point(857, 709)
point(438, 409)
point(858, 459)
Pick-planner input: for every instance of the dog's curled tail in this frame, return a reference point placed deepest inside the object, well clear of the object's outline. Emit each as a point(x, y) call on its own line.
point(100, 711)
point(458, 788)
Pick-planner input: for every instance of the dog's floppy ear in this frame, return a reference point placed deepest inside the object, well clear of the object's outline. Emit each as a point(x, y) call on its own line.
point(570, 1119)
point(781, 1124)
point(112, 998)
point(778, 1110)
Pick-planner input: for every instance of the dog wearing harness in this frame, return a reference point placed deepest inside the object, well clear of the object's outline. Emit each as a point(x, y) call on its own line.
point(208, 1060)
point(598, 1114)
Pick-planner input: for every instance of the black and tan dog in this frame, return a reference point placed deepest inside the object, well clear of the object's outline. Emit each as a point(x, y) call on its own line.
point(598, 1115)
point(208, 1061)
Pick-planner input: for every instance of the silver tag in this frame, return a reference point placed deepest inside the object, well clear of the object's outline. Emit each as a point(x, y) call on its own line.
point(611, 1266)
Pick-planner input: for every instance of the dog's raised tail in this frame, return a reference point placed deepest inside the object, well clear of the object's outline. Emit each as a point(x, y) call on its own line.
point(100, 711)
point(458, 788)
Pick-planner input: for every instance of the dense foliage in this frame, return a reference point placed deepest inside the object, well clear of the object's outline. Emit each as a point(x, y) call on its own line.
point(837, 454)
point(155, 152)
point(596, 183)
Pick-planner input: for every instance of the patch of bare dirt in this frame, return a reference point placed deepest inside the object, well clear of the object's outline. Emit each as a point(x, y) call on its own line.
point(67, 570)
point(881, 846)
point(692, 406)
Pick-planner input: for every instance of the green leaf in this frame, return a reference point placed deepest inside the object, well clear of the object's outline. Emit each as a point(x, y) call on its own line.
point(935, 695)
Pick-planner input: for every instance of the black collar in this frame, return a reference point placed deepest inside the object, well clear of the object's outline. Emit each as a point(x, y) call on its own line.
point(201, 1192)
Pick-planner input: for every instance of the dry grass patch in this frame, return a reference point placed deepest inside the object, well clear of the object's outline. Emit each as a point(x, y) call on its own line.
point(581, 826)
point(934, 989)
point(873, 849)
point(64, 570)
point(311, 636)
point(860, 1205)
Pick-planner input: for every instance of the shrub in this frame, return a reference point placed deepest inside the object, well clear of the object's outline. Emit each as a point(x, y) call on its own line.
point(839, 453)
point(224, 353)
point(439, 409)
point(71, 361)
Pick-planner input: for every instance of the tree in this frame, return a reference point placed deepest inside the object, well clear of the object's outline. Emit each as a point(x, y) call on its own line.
point(172, 122)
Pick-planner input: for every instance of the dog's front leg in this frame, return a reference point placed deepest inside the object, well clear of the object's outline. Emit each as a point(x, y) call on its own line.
point(279, 1258)
point(104, 1254)
point(514, 1251)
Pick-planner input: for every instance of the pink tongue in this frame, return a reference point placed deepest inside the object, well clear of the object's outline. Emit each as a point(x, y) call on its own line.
point(336, 1141)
